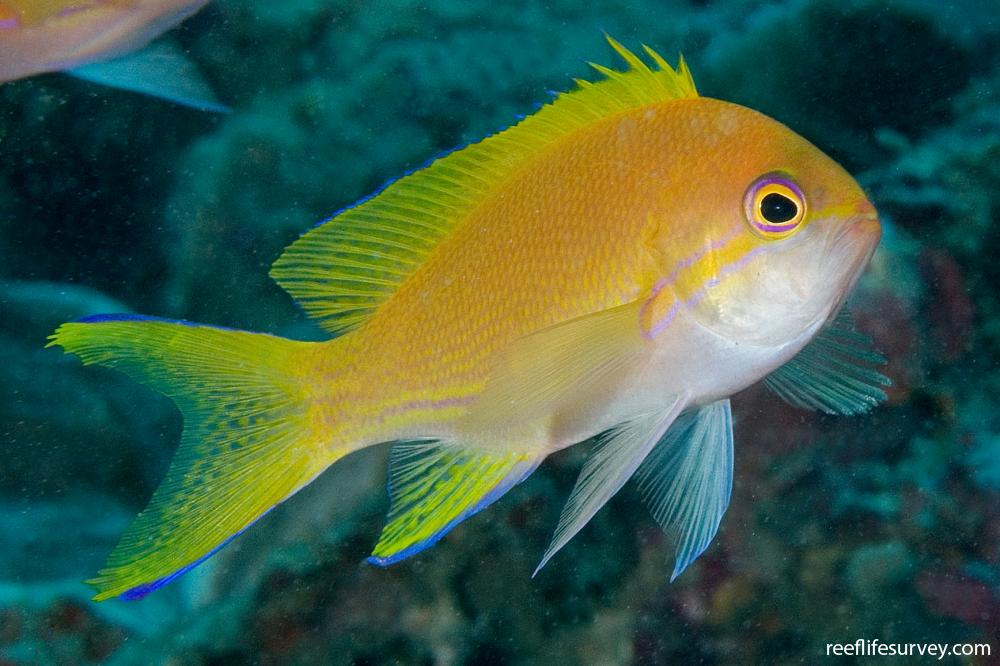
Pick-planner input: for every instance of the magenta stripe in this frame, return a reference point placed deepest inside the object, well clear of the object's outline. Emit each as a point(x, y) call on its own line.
point(443, 403)
point(775, 228)
point(698, 296)
point(687, 262)
point(715, 245)
point(663, 323)
point(74, 9)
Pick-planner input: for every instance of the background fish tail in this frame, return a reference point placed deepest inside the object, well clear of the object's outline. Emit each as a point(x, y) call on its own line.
point(250, 437)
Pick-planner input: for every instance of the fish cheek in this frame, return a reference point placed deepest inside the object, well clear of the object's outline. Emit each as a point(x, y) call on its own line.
point(757, 303)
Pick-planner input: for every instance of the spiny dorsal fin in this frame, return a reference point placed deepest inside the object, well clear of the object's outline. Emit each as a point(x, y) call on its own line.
point(341, 271)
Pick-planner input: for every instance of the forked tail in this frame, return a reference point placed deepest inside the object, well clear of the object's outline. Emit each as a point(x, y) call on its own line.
point(250, 437)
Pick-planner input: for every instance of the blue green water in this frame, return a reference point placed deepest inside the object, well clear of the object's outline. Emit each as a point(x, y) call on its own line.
point(880, 526)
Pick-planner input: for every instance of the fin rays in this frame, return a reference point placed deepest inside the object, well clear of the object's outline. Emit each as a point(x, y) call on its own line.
point(398, 228)
point(247, 443)
point(835, 373)
point(607, 470)
point(434, 486)
point(687, 480)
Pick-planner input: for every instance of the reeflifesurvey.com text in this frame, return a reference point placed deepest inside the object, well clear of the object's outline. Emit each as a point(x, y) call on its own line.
point(875, 648)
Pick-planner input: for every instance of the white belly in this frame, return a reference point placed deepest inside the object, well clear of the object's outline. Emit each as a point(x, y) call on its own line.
point(687, 360)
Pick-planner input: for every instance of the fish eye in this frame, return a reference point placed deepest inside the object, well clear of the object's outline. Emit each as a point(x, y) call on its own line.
point(774, 206)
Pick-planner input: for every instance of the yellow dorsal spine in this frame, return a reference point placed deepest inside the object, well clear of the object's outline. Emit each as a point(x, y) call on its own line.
point(342, 271)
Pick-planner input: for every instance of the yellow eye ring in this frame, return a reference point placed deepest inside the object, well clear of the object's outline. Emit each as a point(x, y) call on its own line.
point(774, 206)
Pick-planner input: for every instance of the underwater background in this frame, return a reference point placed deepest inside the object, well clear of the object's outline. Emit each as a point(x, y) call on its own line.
point(880, 526)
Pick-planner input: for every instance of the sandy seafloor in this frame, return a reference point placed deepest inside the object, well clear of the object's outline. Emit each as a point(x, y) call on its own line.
point(883, 526)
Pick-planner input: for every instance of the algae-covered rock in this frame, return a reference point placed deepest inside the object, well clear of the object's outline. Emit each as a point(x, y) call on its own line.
point(876, 569)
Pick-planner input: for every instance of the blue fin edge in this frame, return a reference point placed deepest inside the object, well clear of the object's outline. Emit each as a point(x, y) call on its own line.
point(518, 474)
point(140, 591)
point(518, 117)
point(384, 186)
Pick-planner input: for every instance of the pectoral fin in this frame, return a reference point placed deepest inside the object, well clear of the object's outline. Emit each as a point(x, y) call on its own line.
point(687, 479)
point(161, 70)
point(539, 371)
point(835, 373)
point(617, 457)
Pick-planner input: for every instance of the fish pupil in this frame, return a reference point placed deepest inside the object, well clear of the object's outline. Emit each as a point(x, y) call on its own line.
point(777, 208)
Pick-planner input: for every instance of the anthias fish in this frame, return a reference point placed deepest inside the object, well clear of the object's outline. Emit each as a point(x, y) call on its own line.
point(617, 265)
point(102, 41)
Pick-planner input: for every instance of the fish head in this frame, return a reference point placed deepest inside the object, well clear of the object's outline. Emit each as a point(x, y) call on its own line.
point(793, 231)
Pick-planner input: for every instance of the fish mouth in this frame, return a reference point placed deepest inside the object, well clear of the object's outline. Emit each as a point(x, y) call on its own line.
point(864, 228)
point(862, 224)
point(851, 246)
point(860, 228)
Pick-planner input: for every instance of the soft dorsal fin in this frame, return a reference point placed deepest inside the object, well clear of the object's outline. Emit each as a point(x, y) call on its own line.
point(342, 270)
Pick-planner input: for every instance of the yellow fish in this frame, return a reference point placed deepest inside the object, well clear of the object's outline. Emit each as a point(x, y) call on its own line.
point(617, 264)
point(104, 41)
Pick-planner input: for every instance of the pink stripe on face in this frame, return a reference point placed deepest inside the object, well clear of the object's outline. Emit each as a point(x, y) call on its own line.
point(646, 313)
point(715, 245)
point(650, 332)
point(723, 272)
point(663, 323)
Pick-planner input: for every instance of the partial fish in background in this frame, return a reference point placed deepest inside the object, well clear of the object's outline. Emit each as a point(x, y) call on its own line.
point(617, 265)
point(105, 41)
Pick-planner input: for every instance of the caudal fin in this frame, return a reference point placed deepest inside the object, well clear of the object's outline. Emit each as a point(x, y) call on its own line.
point(250, 440)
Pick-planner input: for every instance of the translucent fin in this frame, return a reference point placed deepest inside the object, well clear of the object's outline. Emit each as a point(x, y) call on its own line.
point(606, 471)
point(537, 372)
point(835, 373)
point(342, 270)
point(433, 487)
point(248, 442)
point(161, 70)
point(687, 479)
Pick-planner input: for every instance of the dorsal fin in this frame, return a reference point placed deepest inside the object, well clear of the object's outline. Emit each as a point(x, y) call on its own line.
point(341, 271)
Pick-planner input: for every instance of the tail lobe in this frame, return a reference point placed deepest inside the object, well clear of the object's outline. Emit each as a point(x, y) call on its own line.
point(251, 437)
